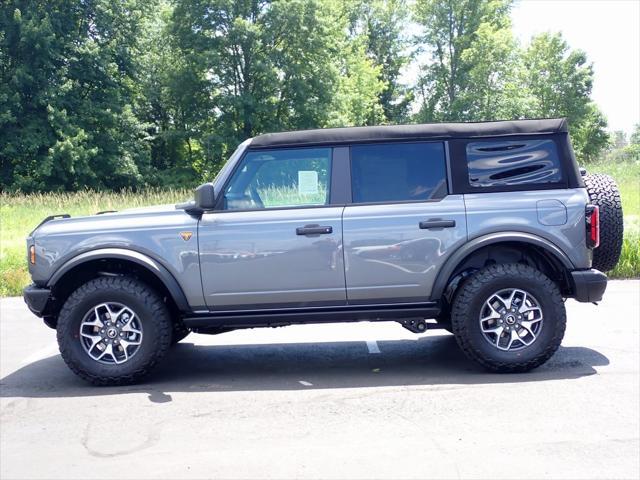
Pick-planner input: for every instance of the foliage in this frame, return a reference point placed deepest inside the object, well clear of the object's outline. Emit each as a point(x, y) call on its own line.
point(634, 139)
point(270, 66)
point(382, 25)
point(559, 81)
point(626, 171)
point(470, 45)
point(618, 139)
point(20, 213)
point(477, 71)
point(588, 134)
point(140, 93)
point(632, 150)
point(67, 84)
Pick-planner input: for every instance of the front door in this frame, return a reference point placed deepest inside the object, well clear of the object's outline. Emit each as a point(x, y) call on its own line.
point(402, 224)
point(277, 242)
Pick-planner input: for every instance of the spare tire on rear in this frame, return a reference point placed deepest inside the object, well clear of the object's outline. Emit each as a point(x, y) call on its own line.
point(603, 192)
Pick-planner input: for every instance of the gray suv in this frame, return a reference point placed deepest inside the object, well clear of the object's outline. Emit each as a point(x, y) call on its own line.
point(482, 229)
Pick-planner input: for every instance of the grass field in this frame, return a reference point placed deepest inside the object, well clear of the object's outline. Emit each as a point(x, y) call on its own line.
point(19, 214)
point(627, 175)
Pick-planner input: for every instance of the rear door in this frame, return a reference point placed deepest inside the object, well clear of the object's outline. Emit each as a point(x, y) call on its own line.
point(402, 224)
point(277, 241)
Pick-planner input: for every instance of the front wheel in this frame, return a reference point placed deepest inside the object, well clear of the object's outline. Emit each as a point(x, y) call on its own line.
point(508, 317)
point(113, 330)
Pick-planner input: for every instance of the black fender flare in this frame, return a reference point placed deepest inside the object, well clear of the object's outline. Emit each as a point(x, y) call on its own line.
point(442, 279)
point(156, 268)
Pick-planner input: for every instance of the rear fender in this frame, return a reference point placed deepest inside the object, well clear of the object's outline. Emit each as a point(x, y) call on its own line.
point(449, 268)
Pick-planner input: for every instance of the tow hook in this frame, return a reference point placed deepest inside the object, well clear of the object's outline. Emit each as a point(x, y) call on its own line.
point(415, 325)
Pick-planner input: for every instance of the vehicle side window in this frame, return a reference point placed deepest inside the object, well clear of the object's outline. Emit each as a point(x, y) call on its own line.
point(398, 172)
point(280, 178)
point(516, 162)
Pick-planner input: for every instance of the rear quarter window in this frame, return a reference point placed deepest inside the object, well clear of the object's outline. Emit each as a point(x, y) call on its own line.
point(495, 163)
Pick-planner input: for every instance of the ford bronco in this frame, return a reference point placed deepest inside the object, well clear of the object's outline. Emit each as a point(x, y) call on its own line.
point(483, 229)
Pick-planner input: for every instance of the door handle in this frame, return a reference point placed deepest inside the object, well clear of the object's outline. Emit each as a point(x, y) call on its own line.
point(429, 224)
point(314, 230)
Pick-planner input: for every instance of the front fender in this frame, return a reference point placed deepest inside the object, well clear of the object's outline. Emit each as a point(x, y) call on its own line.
point(141, 259)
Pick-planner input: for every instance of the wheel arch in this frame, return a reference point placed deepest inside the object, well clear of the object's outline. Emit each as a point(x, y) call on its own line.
point(552, 258)
point(116, 261)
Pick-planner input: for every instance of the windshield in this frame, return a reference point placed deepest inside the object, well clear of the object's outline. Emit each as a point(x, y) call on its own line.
point(222, 174)
point(232, 160)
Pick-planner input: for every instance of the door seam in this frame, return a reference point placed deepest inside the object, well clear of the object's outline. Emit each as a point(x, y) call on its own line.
point(344, 256)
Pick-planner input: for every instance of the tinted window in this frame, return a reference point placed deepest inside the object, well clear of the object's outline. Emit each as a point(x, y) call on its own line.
point(398, 172)
point(280, 178)
point(496, 163)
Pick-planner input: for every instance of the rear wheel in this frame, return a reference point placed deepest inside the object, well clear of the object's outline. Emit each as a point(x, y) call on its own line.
point(508, 318)
point(180, 332)
point(113, 330)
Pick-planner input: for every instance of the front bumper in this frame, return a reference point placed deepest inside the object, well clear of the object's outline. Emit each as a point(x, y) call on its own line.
point(588, 285)
point(38, 299)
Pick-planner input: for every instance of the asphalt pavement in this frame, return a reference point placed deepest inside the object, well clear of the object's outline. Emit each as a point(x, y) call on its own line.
point(362, 400)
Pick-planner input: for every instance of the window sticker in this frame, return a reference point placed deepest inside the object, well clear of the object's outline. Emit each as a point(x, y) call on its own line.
point(307, 182)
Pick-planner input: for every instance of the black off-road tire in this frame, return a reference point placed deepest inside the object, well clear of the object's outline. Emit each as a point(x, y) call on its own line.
point(444, 321)
point(603, 192)
point(180, 332)
point(470, 298)
point(148, 306)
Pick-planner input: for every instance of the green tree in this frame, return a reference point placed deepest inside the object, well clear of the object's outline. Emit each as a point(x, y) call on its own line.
point(250, 61)
point(470, 45)
point(631, 151)
point(559, 82)
point(493, 89)
point(559, 79)
point(68, 81)
point(174, 103)
point(619, 139)
point(107, 94)
point(634, 139)
point(383, 24)
point(271, 66)
point(356, 97)
point(589, 135)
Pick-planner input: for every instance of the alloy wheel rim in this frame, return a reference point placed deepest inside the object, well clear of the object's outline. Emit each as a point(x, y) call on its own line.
point(511, 319)
point(111, 333)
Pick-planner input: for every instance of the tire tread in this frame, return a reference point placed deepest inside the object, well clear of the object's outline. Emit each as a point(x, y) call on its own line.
point(603, 192)
point(133, 287)
point(468, 292)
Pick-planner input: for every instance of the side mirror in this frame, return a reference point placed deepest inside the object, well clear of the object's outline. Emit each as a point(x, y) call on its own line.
point(205, 197)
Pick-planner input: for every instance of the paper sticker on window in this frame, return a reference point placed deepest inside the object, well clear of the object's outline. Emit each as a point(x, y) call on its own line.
point(307, 182)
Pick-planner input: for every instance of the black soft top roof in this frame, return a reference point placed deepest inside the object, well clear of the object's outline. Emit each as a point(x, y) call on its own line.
point(410, 132)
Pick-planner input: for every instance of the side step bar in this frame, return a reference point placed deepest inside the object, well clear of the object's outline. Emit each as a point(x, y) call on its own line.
point(281, 317)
